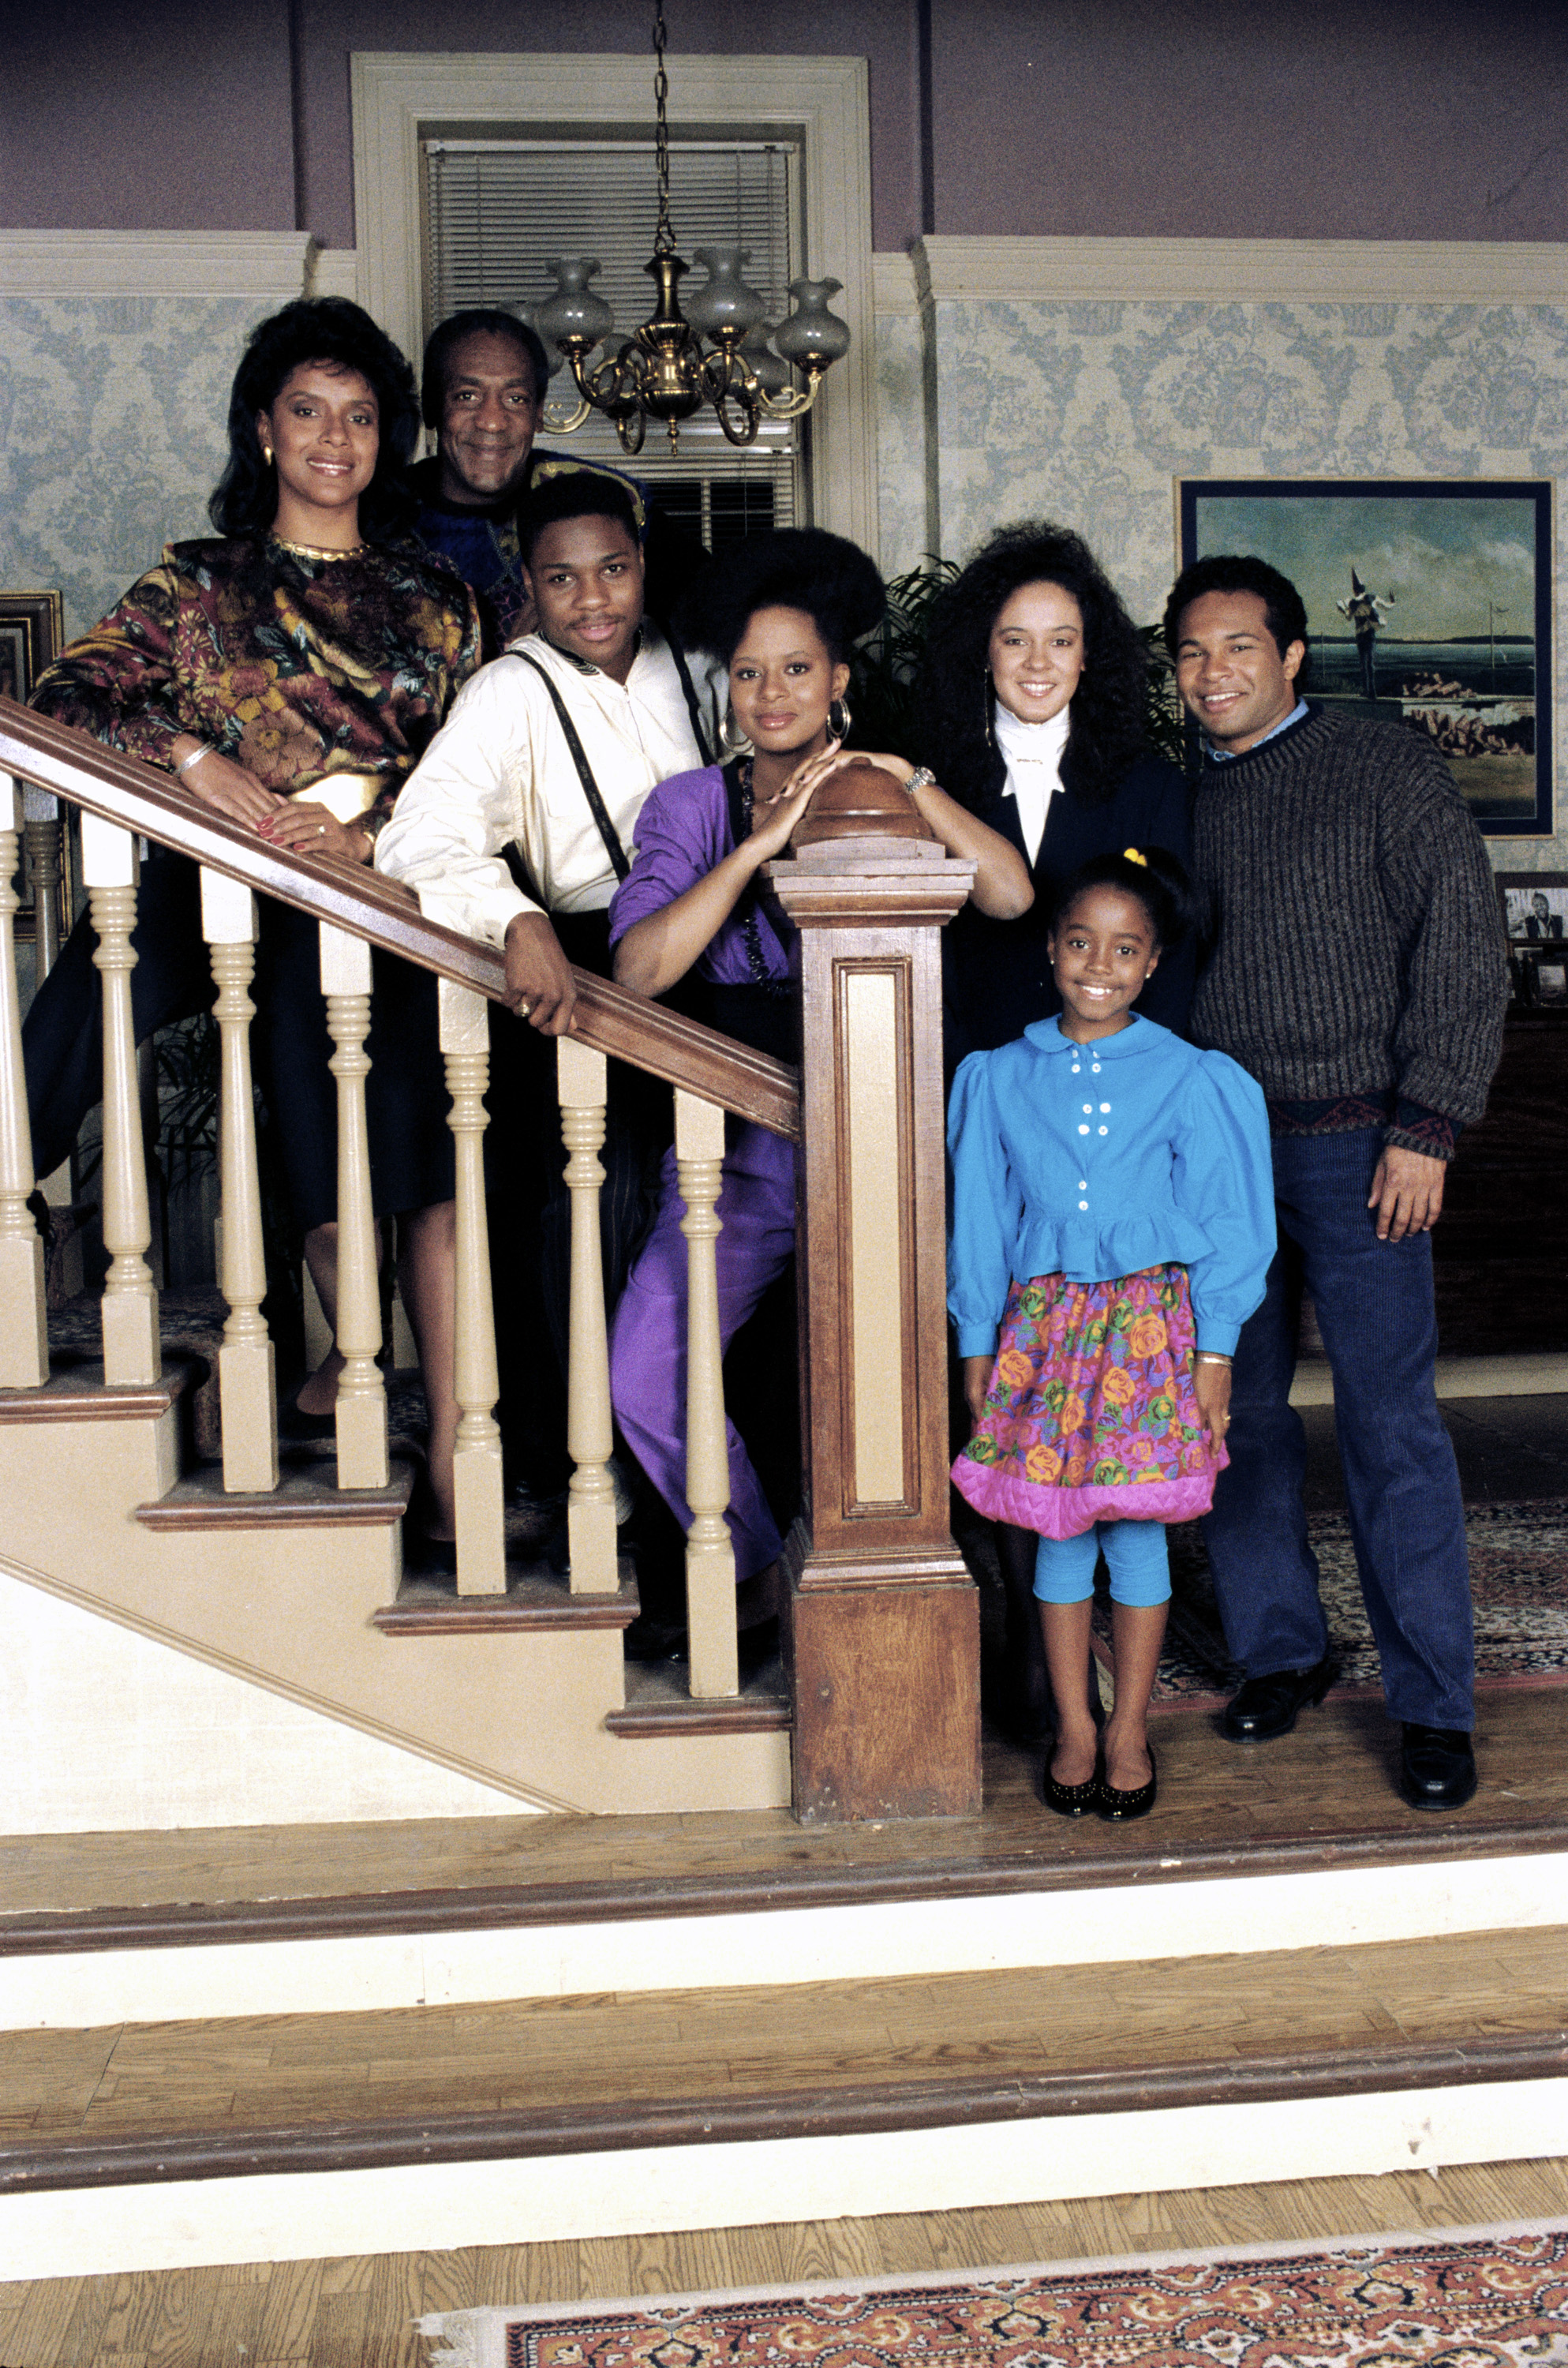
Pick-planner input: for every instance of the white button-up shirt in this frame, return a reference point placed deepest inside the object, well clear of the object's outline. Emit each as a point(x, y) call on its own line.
point(499, 774)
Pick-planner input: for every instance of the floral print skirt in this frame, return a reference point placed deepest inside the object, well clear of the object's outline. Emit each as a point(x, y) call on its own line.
point(1091, 1416)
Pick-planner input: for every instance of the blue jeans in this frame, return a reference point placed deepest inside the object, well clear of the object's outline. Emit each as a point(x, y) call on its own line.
point(1375, 1309)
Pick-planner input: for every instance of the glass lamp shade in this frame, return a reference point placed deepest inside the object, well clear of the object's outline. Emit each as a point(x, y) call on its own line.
point(771, 374)
point(724, 302)
point(812, 336)
point(574, 310)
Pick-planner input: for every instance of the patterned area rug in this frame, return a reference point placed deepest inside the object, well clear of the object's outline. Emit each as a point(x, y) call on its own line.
point(1518, 1562)
point(1460, 2298)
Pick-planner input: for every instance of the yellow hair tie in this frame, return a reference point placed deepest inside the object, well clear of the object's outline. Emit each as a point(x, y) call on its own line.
point(1130, 855)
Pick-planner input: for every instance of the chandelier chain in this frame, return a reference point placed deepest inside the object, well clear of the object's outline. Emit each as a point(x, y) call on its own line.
point(663, 237)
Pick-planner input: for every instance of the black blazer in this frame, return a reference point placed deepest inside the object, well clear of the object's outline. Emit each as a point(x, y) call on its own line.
point(996, 975)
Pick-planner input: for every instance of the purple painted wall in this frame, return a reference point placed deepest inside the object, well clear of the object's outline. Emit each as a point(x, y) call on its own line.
point(1296, 118)
point(1305, 118)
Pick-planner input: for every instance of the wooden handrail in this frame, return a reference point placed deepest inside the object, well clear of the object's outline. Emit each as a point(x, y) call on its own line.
point(72, 764)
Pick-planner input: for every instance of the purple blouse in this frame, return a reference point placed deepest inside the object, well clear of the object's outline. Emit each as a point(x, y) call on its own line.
point(683, 832)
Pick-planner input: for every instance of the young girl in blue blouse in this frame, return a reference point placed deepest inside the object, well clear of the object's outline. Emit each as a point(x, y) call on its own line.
point(1113, 1223)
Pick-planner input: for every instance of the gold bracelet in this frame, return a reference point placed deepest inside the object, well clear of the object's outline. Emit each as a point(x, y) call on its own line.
point(1210, 1357)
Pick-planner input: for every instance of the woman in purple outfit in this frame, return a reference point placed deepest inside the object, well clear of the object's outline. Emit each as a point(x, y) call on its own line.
point(782, 614)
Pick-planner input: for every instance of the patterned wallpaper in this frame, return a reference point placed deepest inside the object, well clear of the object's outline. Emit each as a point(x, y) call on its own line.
point(1087, 412)
point(111, 435)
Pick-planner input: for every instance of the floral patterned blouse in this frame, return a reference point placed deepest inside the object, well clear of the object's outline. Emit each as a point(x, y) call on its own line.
point(296, 667)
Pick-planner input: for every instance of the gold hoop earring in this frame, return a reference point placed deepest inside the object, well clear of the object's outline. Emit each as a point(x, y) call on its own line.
point(267, 456)
point(985, 694)
point(840, 730)
point(729, 733)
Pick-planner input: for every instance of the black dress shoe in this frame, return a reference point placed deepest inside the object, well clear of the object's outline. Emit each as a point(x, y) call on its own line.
point(1262, 1708)
point(1437, 1766)
point(1116, 1807)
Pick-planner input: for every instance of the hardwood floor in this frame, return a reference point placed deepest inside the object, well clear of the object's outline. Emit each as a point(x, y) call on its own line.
point(360, 2312)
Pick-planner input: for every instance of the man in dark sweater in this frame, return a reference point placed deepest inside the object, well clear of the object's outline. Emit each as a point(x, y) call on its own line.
point(483, 389)
point(1358, 971)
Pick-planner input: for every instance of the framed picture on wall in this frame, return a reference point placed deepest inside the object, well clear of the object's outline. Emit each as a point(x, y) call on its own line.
point(31, 635)
point(1535, 914)
point(1429, 605)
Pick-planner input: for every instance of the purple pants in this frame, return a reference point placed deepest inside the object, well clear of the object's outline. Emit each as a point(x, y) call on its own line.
point(647, 1341)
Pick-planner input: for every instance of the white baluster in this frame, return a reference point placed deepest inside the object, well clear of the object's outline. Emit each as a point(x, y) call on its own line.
point(246, 1377)
point(476, 1468)
point(131, 1353)
point(709, 1554)
point(362, 1392)
point(590, 1503)
point(24, 1340)
point(45, 834)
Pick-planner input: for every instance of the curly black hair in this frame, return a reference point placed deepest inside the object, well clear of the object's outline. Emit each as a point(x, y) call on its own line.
point(317, 329)
point(1161, 884)
point(1284, 612)
point(826, 577)
point(477, 320)
point(954, 698)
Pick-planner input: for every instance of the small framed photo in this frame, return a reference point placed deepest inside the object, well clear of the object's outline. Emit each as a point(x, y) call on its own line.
point(1547, 979)
point(1535, 910)
point(31, 635)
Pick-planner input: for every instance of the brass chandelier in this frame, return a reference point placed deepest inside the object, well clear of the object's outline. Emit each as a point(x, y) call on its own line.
point(664, 371)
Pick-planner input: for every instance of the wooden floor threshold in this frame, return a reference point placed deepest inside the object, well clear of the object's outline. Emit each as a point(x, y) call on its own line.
point(800, 2113)
point(628, 1898)
point(307, 1496)
point(77, 1392)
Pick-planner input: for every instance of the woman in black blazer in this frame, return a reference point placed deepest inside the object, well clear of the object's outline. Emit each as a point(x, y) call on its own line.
point(1031, 707)
point(1031, 710)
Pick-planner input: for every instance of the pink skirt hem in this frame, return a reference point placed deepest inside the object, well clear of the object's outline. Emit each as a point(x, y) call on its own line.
point(1053, 1512)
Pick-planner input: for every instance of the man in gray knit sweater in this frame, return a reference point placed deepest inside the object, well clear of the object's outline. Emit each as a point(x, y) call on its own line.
point(1358, 971)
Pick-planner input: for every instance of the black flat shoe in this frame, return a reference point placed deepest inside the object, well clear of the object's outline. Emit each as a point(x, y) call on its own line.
point(1262, 1708)
point(1073, 1800)
point(1116, 1807)
point(1437, 1766)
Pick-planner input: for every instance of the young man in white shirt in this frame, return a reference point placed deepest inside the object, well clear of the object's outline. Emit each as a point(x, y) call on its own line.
point(516, 827)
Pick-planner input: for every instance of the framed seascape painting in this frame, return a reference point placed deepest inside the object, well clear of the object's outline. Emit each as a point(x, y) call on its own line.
point(30, 635)
point(1428, 604)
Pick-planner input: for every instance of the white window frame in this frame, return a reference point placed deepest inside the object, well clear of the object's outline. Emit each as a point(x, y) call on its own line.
point(399, 99)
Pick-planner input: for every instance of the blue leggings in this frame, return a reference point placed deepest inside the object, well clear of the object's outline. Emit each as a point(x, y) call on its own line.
point(1135, 1556)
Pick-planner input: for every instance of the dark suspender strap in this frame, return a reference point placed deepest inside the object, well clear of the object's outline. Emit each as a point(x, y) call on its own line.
point(692, 708)
point(596, 807)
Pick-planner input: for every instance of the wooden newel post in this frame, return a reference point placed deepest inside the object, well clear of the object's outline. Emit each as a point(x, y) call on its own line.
point(882, 1628)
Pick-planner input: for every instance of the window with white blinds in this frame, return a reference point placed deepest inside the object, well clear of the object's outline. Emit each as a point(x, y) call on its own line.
point(495, 210)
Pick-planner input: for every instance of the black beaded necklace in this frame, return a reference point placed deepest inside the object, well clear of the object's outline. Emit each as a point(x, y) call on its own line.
point(761, 975)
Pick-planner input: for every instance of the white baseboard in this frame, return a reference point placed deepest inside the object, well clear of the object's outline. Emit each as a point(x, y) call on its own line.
point(186, 2224)
point(1539, 1373)
point(1238, 1915)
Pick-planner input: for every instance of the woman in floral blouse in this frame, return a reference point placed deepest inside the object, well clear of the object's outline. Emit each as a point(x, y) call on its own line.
point(291, 676)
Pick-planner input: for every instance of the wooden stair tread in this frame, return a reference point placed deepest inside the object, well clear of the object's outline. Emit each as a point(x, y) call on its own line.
point(542, 2074)
point(1320, 1798)
point(658, 1702)
point(306, 1497)
point(536, 1596)
point(77, 1392)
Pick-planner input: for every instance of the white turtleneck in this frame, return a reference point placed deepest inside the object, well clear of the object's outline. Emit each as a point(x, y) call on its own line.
point(1032, 754)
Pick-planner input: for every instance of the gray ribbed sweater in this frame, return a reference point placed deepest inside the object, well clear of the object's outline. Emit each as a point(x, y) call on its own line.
point(1360, 948)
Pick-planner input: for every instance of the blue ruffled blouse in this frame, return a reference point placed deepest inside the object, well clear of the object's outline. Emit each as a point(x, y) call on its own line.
point(1098, 1160)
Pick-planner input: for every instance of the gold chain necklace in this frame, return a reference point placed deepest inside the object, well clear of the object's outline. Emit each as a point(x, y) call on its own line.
point(314, 551)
